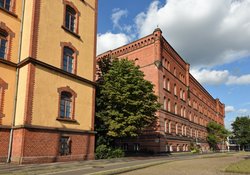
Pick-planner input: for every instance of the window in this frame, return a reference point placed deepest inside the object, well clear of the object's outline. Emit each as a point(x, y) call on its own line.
point(169, 127)
point(125, 147)
point(175, 108)
point(176, 128)
point(165, 126)
point(68, 59)
point(165, 103)
point(65, 146)
point(136, 147)
point(169, 105)
point(5, 4)
point(3, 43)
point(180, 93)
point(164, 82)
point(66, 103)
point(181, 111)
point(168, 85)
point(70, 19)
point(178, 148)
point(175, 90)
point(3, 87)
point(184, 95)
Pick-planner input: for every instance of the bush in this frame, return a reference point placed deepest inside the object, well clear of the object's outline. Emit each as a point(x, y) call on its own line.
point(116, 153)
point(104, 152)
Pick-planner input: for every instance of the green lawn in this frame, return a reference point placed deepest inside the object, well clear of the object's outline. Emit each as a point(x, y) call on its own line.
point(239, 167)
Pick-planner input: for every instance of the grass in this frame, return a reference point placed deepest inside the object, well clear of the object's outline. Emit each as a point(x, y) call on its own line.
point(242, 166)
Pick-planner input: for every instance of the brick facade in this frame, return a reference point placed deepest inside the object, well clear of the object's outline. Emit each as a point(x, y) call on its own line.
point(186, 106)
point(4, 142)
point(42, 145)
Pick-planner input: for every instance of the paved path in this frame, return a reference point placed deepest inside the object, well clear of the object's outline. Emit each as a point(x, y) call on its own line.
point(200, 166)
point(172, 165)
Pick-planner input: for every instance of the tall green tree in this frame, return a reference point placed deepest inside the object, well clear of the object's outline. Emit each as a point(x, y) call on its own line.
point(125, 101)
point(241, 130)
point(216, 134)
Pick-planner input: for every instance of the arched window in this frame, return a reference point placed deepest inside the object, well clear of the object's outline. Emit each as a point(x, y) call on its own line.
point(71, 17)
point(6, 4)
point(68, 59)
point(165, 125)
point(168, 85)
point(164, 103)
point(178, 148)
point(176, 128)
point(3, 43)
point(180, 93)
point(164, 82)
point(169, 105)
point(175, 108)
point(175, 90)
point(66, 103)
point(3, 87)
point(169, 127)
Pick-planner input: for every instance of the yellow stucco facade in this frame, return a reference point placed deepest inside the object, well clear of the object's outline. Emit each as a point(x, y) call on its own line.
point(35, 79)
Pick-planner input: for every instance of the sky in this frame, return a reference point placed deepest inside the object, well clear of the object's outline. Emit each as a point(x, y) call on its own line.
point(213, 36)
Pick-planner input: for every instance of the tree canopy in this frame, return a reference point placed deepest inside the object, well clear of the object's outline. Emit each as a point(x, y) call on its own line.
point(216, 134)
point(125, 101)
point(241, 130)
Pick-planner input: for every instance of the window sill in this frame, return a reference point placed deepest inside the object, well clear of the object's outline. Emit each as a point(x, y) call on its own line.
point(167, 90)
point(70, 32)
point(66, 120)
point(8, 12)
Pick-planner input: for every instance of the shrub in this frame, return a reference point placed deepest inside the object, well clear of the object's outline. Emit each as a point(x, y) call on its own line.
point(104, 152)
point(116, 153)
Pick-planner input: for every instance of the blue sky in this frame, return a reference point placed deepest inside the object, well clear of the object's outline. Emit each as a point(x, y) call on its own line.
point(213, 36)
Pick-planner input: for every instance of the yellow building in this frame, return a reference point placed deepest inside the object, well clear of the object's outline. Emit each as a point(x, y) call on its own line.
point(47, 89)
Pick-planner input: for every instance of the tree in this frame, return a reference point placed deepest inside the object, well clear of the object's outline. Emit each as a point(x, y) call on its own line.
point(216, 134)
point(125, 101)
point(241, 130)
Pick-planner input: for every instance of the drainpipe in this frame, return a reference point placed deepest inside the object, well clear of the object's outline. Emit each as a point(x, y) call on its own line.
point(16, 85)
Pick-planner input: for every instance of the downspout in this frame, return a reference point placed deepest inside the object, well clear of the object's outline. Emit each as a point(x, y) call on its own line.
point(16, 85)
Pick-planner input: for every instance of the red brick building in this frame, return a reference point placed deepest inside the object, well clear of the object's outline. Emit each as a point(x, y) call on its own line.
point(186, 106)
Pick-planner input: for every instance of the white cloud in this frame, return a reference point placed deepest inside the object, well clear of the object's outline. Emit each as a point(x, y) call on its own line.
point(117, 15)
point(205, 33)
point(229, 109)
point(109, 41)
point(211, 77)
point(241, 80)
point(217, 77)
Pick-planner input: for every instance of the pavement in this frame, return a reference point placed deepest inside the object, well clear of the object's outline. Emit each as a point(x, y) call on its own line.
point(106, 166)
